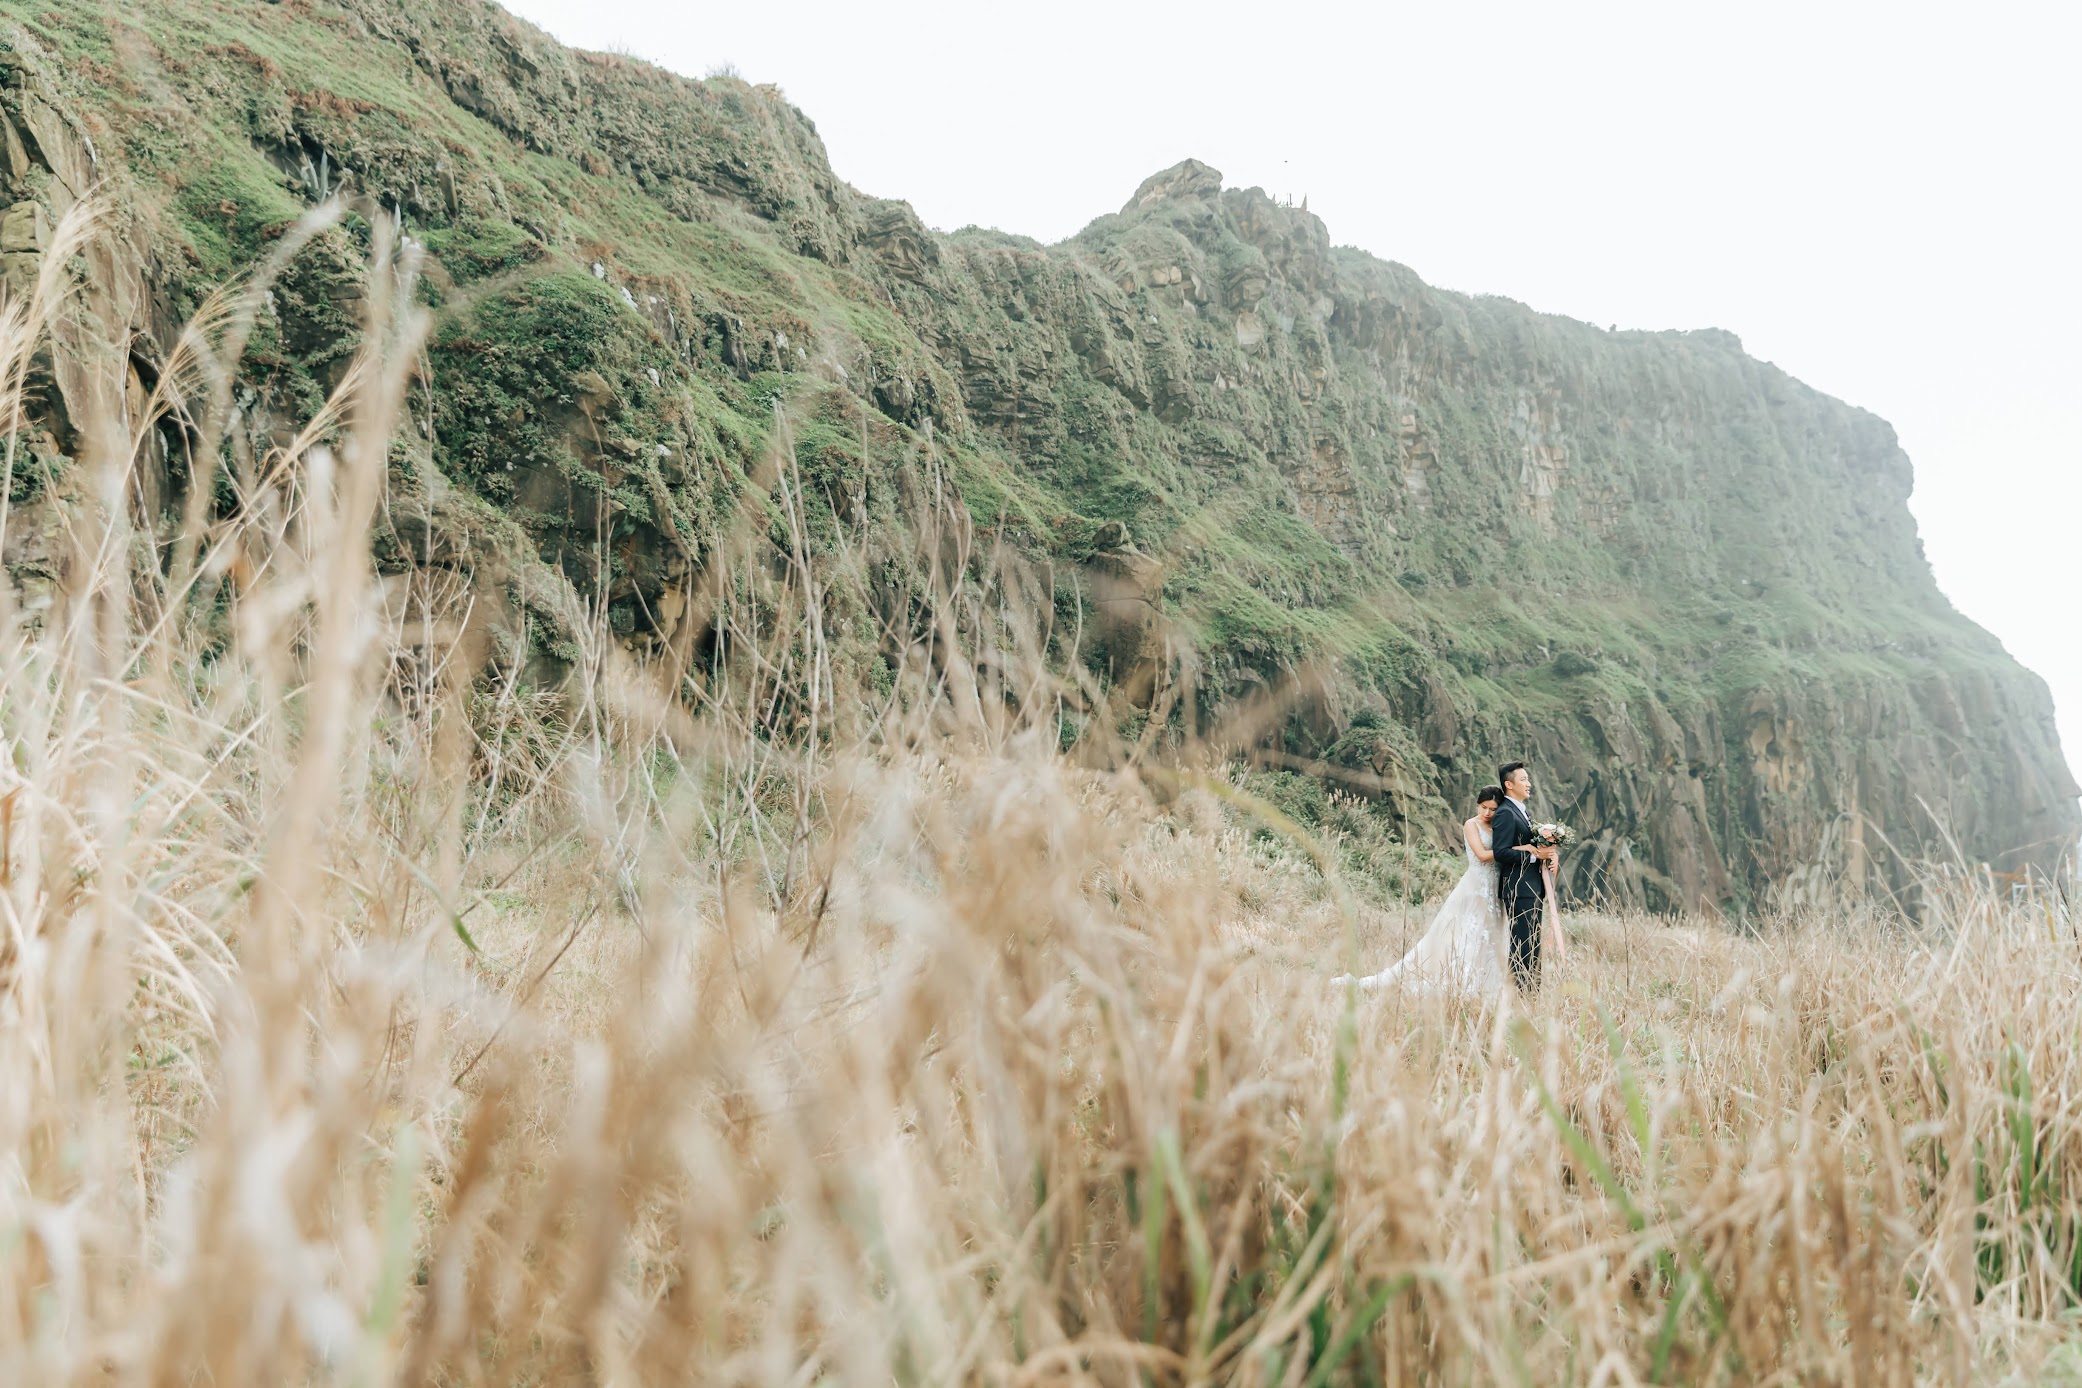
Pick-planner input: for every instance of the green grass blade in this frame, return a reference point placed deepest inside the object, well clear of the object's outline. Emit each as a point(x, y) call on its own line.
point(1355, 1328)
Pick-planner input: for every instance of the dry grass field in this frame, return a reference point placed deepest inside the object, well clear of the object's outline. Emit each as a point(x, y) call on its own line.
point(367, 1019)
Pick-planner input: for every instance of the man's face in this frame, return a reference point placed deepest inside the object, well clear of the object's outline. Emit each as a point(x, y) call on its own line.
point(1521, 784)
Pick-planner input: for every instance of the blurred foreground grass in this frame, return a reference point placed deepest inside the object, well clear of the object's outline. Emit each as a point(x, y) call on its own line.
point(370, 1017)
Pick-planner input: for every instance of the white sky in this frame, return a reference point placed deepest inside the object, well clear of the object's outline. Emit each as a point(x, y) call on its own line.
point(1880, 198)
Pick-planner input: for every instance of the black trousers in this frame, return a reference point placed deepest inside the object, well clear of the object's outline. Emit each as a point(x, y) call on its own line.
point(1524, 911)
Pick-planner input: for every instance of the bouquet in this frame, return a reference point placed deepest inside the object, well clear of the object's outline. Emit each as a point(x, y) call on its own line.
point(1552, 835)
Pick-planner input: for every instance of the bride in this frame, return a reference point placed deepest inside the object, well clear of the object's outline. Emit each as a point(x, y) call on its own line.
point(1464, 947)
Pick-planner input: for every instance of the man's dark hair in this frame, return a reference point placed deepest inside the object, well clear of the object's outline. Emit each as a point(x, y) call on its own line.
point(1490, 795)
point(1503, 774)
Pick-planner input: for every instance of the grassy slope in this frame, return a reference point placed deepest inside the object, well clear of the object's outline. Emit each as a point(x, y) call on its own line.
point(1725, 551)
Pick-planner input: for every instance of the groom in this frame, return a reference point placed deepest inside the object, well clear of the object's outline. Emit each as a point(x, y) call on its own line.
point(1521, 887)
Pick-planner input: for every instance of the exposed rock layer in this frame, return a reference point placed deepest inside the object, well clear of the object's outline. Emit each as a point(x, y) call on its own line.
point(1684, 585)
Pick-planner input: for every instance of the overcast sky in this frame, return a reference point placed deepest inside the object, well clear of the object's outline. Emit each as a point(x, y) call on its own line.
point(1880, 198)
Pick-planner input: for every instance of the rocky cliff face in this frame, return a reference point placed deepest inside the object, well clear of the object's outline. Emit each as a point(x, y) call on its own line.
point(1683, 584)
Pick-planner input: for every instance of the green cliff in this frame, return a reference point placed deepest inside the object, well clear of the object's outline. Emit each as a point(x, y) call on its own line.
point(1684, 584)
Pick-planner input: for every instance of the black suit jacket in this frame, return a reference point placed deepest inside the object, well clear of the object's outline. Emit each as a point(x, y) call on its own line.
point(1518, 875)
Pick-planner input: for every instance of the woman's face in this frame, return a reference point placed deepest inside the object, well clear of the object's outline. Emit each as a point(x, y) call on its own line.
point(1486, 811)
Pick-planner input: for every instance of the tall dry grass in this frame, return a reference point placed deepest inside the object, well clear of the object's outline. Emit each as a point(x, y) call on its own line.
point(368, 1017)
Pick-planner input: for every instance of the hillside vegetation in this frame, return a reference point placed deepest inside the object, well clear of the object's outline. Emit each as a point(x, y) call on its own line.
point(370, 1021)
point(1285, 497)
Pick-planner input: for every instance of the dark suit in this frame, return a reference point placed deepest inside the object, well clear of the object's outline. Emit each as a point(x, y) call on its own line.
point(1521, 890)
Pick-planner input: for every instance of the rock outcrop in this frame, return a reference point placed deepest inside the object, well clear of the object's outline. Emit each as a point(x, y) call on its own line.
point(1685, 585)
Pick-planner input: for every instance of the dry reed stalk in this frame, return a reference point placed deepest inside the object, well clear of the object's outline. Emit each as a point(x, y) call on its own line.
point(759, 1032)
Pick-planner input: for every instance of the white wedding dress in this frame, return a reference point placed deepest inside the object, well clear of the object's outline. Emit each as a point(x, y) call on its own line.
point(1464, 948)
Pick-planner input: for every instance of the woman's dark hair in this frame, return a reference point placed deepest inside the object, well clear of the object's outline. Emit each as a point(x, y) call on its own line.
point(1503, 773)
point(1490, 795)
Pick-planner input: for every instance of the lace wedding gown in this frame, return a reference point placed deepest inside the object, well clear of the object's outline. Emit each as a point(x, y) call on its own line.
point(1464, 947)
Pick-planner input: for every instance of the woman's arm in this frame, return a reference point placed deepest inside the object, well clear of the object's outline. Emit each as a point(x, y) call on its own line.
point(1473, 835)
point(1506, 829)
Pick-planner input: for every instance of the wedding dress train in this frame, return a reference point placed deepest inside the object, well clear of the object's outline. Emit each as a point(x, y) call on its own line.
point(1464, 946)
